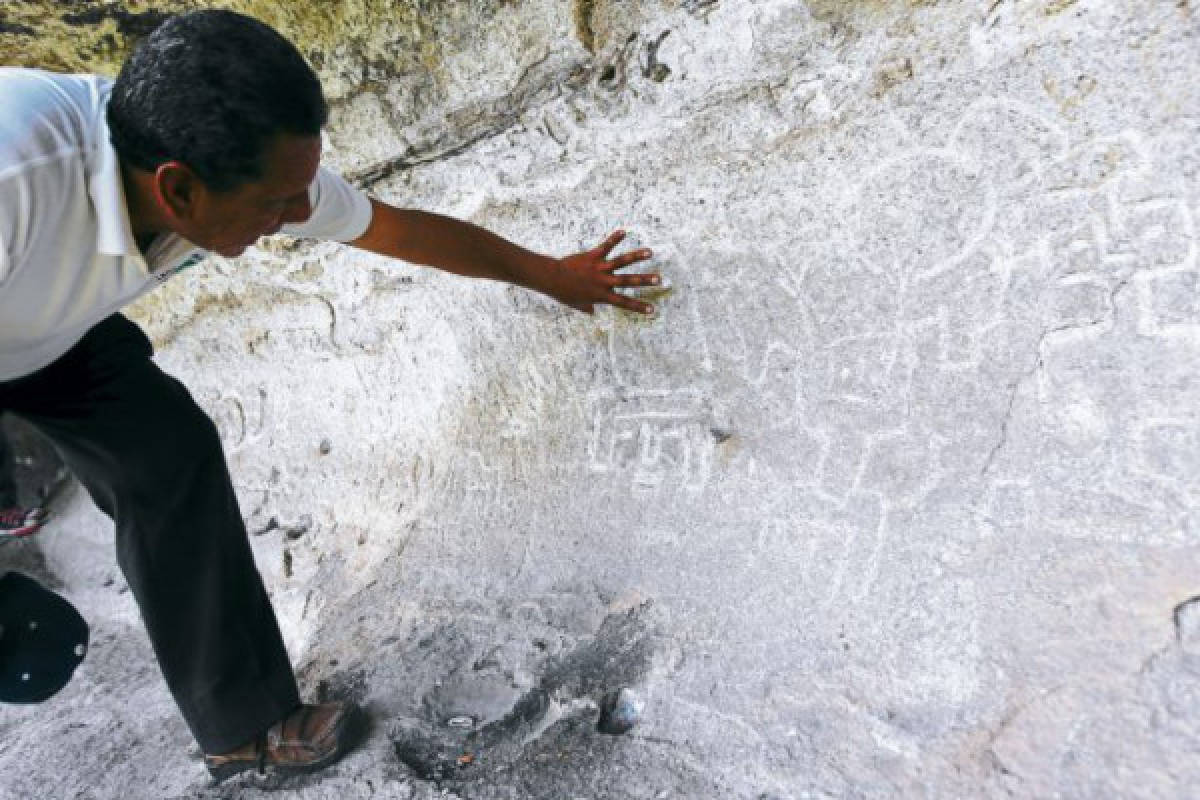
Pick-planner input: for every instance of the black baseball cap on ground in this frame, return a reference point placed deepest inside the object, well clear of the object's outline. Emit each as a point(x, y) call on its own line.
point(42, 640)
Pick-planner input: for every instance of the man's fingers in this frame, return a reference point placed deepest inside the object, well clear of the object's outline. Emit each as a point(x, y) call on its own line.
point(629, 303)
point(635, 280)
point(626, 259)
point(608, 244)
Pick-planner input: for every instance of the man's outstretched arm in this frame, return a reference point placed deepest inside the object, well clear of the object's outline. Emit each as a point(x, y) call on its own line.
point(581, 280)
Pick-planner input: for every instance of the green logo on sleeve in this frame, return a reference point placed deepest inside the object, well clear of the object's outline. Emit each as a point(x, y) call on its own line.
point(190, 261)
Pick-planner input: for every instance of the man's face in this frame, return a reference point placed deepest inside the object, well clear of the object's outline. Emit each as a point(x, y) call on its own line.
point(229, 222)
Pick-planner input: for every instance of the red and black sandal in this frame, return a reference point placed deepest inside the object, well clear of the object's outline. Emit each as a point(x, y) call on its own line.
point(309, 739)
point(17, 522)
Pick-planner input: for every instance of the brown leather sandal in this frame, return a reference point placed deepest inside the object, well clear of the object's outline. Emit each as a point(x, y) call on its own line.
point(306, 740)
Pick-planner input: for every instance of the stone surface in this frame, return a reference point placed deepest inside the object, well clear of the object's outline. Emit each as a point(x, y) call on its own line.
point(37, 469)
point(896, 497)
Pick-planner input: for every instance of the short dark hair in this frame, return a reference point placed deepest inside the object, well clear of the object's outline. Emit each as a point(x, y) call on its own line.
point(212, 89)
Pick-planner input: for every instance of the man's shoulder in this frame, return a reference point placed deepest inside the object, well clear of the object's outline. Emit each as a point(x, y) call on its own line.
point(46, 114)
point(26, 83)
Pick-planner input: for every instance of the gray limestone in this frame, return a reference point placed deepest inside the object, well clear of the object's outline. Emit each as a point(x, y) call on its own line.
point(898, 495)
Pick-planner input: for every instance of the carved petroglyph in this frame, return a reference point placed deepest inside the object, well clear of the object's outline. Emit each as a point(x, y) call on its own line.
point(866, 372)
point(658, 438)
point(1167, 290)
point(1080, 223)
point(1011, 141)
point(242, 418)
point(831, 545)
point(639, 422)
point(957, 202)
point(1017, 264)
point(230, 418)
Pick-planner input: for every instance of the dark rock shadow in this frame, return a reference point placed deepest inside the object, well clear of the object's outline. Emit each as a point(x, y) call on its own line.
point(557, 715)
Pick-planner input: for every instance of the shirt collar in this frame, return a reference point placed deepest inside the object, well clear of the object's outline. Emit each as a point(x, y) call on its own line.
point(114, 234)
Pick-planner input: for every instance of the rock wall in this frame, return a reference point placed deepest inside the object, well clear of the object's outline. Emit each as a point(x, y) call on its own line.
point(895, 497)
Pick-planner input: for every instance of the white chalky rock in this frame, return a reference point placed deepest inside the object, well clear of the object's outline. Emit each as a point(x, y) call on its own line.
point(906, 464)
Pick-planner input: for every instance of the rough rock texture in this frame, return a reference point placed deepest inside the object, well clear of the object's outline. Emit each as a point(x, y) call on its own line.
point(898, 495)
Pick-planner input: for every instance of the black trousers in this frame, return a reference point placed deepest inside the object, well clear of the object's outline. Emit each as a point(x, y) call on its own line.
point(8, 478)
point(152, 461)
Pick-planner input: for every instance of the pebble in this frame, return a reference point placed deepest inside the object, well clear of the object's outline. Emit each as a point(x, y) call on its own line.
point(620, 710)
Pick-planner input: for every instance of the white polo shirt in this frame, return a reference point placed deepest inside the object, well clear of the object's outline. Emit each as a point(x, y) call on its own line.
point(68, 258)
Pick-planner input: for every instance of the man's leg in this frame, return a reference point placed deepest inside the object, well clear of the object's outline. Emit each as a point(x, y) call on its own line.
point(8, 480)
point(151, 459)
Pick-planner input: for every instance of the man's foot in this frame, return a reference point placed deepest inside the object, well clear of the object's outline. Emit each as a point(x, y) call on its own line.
point(16, 521)
point(309, 739)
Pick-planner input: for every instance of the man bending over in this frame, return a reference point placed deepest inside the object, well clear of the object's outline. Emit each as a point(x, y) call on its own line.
point(208, 139)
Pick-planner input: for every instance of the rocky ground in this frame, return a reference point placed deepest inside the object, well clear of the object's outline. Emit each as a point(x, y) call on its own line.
point(896, 496)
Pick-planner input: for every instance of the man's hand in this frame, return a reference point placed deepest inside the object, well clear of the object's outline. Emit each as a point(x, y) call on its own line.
point(585, 279)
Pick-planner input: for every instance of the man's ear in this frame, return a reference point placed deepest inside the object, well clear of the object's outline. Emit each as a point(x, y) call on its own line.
point(176, 190)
